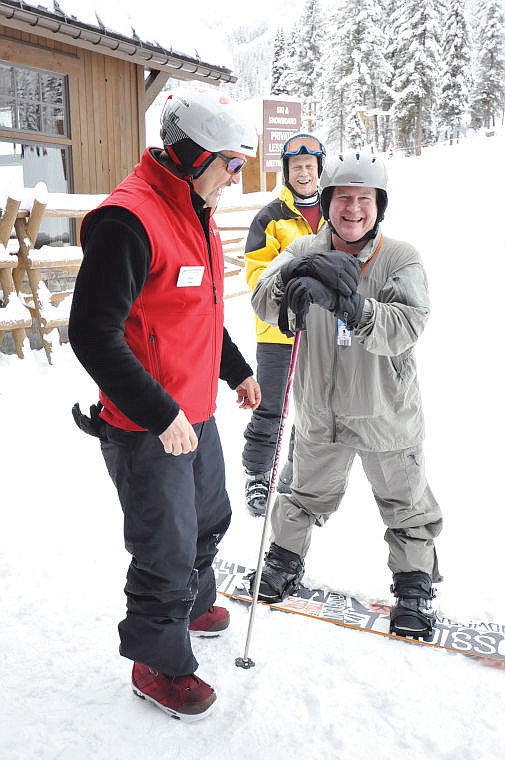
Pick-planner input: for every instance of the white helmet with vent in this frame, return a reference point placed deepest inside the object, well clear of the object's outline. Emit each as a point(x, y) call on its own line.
point(209, 118)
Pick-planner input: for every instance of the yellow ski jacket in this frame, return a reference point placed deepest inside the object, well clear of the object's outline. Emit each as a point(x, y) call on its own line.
point(272, 230)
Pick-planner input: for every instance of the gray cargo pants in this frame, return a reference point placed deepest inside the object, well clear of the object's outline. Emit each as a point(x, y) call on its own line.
point(406, 503)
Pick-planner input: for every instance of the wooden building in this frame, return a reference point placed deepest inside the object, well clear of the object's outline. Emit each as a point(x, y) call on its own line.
point(73, 98)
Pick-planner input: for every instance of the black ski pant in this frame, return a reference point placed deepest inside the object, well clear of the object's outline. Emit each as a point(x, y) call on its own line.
point(176, 510)
point(273, 360)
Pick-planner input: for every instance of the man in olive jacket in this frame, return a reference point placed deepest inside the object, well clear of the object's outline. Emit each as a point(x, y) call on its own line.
point(364, 300)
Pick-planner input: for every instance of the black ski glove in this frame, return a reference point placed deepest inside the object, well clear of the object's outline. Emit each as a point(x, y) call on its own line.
point(91, 425)
point(338, 270)
point(349, 309)
point(302, 291)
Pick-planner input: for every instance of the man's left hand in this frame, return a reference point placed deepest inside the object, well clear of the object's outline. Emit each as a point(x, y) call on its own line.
point(349, 309)
point(248, 394)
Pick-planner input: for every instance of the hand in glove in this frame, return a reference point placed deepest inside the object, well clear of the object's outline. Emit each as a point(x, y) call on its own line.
point(92, 425)
point(335, 269)
point(349, 309)
point(302, 291)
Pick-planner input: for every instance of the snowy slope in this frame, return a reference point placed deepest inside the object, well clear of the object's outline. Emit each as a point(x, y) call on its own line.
point(317, 691)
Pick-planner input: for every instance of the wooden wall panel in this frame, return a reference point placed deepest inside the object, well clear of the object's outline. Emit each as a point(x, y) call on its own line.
point(107, 119)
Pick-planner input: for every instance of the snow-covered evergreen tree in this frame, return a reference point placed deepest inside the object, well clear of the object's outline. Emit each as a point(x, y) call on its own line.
point(308, 59)
point(251, 46)
point(356, 74)
point(355, 126)
point(488, 101)
point(415, 56)
point(288, 81)
point(456, 79)
point(278, 63)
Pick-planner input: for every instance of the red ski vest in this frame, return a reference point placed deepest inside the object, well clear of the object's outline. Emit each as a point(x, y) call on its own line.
point(175, 331)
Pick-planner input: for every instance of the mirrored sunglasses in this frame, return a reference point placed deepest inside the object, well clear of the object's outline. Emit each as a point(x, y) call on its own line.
point(294, 145)
point(233, 165)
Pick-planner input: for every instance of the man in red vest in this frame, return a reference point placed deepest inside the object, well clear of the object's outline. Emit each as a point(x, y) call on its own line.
point(147, 325)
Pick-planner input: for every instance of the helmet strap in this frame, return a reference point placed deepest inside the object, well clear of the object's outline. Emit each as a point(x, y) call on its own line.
point(190, 159)
point(366, 237)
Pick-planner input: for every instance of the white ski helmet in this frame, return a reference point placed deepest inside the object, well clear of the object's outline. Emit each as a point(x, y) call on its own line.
point(205, 121)
point(353, 169)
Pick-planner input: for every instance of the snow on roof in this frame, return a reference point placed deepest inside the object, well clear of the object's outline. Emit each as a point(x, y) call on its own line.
point(152, 22)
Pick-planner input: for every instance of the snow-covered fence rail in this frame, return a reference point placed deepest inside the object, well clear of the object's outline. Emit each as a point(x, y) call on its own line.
point(25, 269)
point(233, 233)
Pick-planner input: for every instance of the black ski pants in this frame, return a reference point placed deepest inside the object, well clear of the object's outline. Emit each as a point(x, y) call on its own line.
point(176, 510)
point(273, 360)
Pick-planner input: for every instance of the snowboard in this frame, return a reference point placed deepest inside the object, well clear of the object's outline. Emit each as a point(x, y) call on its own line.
point(483, 641)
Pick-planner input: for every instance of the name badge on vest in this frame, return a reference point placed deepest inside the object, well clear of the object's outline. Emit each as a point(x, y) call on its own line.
point(190, 277)
point(344, 334)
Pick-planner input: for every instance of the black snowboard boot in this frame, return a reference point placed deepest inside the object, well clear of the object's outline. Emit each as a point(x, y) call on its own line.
point(281, 574)
point(412, 614)
point(256, 492)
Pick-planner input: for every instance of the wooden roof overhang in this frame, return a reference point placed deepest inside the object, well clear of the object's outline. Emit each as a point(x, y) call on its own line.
point(160, 62)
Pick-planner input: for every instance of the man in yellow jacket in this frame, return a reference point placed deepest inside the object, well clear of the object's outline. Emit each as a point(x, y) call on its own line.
point(294, 213)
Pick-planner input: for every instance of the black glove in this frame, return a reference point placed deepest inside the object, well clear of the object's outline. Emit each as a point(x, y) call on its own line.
point(91, 425)
point(338, 270)
point(302, 291)
point(349, 309)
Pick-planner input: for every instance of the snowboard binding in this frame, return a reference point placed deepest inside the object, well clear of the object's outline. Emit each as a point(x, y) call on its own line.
point(281, 575)
point(412, 615)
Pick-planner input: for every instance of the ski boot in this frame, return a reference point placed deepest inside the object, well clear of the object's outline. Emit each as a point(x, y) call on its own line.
point(256, 492)
point(281, 575)
point(412, 614)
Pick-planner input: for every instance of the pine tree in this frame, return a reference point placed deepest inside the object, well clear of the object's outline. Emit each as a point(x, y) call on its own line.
point(456, 79)
point(309, 50)
point(288, 81)
point(488, 101)
point(278, 63)
point(252, 54)
point(386, 102)
point(415, 55)
point(307, 59)
point(356, 75)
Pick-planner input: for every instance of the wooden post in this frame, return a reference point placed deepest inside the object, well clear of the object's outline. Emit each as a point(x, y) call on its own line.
point(27, 232)
point(6, 279)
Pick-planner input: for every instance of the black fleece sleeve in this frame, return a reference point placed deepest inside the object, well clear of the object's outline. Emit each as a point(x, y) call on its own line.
point(234, 368)
point(114, 269)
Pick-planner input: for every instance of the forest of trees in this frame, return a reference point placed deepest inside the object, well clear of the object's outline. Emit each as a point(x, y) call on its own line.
point(391, 74)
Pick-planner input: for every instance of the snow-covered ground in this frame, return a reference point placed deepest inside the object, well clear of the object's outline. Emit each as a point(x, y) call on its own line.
point(317, 691)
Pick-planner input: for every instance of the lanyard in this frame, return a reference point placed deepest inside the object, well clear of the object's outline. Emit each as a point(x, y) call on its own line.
point(373, 256)
point(344, 334)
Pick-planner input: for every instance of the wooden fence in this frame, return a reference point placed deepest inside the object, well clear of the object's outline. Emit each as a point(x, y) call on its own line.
point(25, 270)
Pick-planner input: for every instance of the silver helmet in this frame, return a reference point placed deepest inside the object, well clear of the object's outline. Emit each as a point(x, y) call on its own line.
point(352, 169)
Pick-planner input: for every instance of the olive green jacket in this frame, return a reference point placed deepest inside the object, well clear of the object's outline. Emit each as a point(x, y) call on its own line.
point(365, 395)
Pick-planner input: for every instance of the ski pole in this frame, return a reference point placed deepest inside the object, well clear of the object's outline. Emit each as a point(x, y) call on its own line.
point(245, 661)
